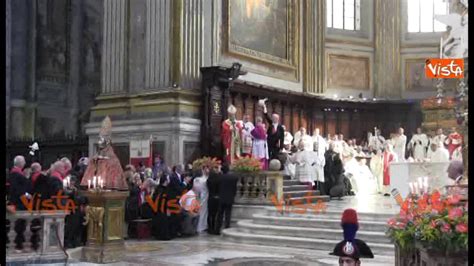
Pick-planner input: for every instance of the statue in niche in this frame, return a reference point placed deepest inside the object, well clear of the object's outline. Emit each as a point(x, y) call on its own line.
point(105, 163)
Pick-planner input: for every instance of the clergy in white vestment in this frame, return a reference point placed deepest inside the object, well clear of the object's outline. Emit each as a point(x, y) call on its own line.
point(418, 145)
point(301, 135)
point(319, 148)
point(287, 139)
point(439, 137)
point(375, 142)
point(365, 181)
point(376, 166)
point(203, 194)
point(438, 154)
point(246, 136)
point(304, 161)
point(399, 146)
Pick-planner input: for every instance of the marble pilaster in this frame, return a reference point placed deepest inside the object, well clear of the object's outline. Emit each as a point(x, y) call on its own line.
point(114, 46)
point(387, 49)
point(158, 43)
point(314, 37)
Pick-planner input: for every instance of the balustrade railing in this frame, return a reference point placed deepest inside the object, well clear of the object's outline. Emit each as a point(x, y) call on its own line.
point(33, 235)
point(257, 188)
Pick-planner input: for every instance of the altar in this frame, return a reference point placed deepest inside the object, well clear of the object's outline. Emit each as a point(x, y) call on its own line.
point(402, 173)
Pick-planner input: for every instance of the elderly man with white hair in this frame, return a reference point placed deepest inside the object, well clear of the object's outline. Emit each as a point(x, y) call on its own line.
point(275, 133)
point(17, 184)
point(438, 154)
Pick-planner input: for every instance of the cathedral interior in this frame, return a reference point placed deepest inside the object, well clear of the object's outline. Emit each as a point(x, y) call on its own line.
point(166, 71)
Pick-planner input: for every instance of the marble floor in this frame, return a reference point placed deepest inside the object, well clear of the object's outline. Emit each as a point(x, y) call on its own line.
point(217, 251)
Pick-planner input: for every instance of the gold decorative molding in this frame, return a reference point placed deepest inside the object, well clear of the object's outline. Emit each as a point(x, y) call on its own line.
point(314, 37)
point(115, 223)
point(95, 221)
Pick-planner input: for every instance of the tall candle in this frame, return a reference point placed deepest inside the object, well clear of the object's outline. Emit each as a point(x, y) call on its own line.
point(89, 184)
point(94, 182)
point(420, 185)
point(411, 187)
point(425, 181)
point(415, 184)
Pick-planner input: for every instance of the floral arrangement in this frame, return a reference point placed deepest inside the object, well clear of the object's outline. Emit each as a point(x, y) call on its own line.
point(437, 222)
point(246, 165)
point(205, 161)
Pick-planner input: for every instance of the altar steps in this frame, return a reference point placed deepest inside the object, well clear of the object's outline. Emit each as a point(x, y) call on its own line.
point(316, 231)
point(296, 193)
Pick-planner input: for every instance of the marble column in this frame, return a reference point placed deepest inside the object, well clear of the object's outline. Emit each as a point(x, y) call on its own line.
point(114, 55)
point(387, 49)
point(8, 17)
point(314, 28)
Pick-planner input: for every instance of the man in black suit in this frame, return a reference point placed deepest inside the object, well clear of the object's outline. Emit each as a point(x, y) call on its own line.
point(227, 191)
point(213, 184)
point(275, 134)
point(18, 184)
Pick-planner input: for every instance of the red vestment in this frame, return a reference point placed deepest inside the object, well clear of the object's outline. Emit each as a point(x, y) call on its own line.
point(109, 170)
point(388, 157)
point(453, 141)
point(231, 147)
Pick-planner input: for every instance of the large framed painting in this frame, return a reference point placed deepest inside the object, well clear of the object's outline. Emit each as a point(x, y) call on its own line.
point(348, 72)
point(263, 30)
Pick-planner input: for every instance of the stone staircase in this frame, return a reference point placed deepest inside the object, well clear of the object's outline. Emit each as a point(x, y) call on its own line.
point(296, 193)
point(316, 231)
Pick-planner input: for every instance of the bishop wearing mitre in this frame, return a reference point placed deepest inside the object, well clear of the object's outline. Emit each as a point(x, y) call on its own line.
point(105, 163)
point(231, 135)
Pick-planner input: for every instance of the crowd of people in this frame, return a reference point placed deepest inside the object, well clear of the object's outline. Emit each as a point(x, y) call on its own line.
point(177, 200)
point(334, 165)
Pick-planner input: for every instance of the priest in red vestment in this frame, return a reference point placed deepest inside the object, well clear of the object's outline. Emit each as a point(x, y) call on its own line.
point(388, 157)
point(231, 136)
point(453, 141)
point(105, 163)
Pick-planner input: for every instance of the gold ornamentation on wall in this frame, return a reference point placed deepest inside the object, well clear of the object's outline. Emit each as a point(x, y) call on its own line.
point(115, 223)
point(95, 221)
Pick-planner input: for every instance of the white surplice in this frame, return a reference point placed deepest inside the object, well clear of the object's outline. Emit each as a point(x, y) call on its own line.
point(419, 144)
point(304, 169)
point(441, 155)
point(376, 166)
point(203, 192)
point(319, 147)
point(399, 147)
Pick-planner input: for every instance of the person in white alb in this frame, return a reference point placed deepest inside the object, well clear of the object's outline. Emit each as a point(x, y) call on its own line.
point(439, 154)
point(399, 146)
point(301, 135)
point(375, 142)
point(418, 145)
point(288, 138)
point(439, 137)
point(246, 136)
point(319, 148)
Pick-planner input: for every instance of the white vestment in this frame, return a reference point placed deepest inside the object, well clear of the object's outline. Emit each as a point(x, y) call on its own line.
point(376, 142)
point(441, 155)
point(319, 147)
point(438, 139)
point(376, 166)
point(307, 140)
point(419, 144)
point(399, 146)
point(203, 192)
point(304, 169)
point(362, 179)
point(457, 154)
point(288, 138)
point(247, 137)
